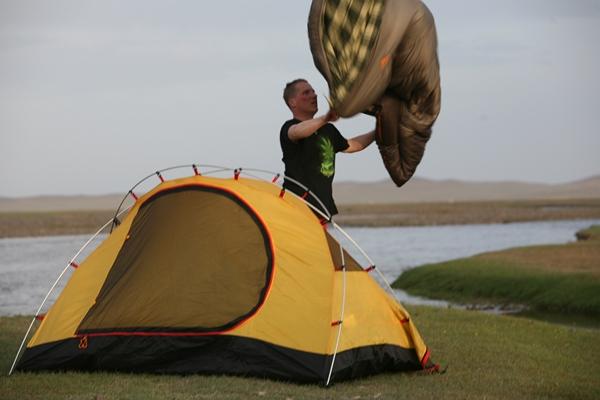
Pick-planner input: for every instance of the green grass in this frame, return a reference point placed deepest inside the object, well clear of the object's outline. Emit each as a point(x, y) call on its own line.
point(488, 356)
point(474, 280)
point(591, 233)
point(557, 279)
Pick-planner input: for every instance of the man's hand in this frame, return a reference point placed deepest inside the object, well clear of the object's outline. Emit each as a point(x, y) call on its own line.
point(360, 142)
point(331, 116)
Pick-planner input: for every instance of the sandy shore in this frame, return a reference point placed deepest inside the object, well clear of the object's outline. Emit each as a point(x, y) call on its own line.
point(22, 224)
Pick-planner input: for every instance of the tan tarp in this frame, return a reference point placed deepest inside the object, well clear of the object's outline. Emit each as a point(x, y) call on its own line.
point(380, 57)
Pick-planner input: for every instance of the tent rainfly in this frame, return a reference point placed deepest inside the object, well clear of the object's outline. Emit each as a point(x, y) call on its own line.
point(224, 275)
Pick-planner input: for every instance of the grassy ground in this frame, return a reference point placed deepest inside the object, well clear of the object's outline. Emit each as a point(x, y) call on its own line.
point(19, 224)
point(593, 232)
point(488, 356)
point(558, 278)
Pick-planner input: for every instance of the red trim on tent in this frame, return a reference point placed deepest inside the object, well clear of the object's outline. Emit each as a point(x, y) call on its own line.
point(282, 192)
point(304, 195)
point(133, 195)
point(275, 178)
point(40, 317)
point(196, 172)
point(371, 268)
point(162, 180)
point(236, 174)
point(239, 324)
point(174, 334)
point(336, 323)
point(74, 264)
point(425, 358)
point(404, 321)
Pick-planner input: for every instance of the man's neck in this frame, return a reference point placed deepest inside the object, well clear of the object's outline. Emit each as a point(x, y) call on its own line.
point(302, 116)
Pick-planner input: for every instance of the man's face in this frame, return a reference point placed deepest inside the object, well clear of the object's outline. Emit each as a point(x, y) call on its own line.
point(305, 100)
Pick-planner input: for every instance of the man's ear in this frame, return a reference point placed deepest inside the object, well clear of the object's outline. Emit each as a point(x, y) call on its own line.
point(292, 102)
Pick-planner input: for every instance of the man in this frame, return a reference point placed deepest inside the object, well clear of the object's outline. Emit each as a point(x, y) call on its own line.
point(309, 145)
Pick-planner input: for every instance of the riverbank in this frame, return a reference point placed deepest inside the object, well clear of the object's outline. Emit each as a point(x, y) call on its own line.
point(27, 224)
point(546, 280)
point(487, 356)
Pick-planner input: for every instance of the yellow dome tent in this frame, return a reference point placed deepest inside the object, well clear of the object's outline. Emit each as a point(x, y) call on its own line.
point(224, 275)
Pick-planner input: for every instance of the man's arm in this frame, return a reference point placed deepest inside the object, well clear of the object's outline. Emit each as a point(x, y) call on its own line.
point(360, 142)
point(306, 128)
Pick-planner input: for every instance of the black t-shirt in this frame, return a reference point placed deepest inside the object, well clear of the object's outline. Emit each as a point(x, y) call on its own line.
point(311, 161)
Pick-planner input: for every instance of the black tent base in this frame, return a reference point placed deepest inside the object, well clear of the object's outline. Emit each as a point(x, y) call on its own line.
point(215, 355)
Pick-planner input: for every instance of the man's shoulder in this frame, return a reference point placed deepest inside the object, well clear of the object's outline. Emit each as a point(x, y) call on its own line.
point(290, 122)
point(283, 132)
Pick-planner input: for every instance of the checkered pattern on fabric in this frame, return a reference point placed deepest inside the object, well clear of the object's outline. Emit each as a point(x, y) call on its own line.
point(350, 30)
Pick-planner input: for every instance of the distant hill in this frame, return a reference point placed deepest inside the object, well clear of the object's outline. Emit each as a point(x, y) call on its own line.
point(381, 192)
point(61, 203)
point(428, 190)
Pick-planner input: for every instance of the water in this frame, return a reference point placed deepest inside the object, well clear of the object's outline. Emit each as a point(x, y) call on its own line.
point(400, 248)
point(397, 249)
point(29, 266)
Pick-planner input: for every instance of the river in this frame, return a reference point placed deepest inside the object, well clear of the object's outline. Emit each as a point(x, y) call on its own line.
point(29, 266)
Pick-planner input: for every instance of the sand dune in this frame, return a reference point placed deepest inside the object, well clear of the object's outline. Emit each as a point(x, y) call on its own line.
point(382, 192)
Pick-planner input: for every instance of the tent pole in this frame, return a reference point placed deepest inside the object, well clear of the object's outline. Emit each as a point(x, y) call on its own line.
point(328, 218)
point(389, 287)
point(341, 320)
point(315, 209)
point(54, 286)
point(195, 166)
point(338, 228)
point(364, 254)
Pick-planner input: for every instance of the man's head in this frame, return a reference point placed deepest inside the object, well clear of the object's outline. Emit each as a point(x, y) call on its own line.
point(300, 97)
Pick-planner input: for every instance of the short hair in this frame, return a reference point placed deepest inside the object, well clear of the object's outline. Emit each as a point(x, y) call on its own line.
point(290, 90)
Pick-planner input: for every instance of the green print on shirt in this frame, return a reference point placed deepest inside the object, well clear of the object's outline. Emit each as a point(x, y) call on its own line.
point(327, 157)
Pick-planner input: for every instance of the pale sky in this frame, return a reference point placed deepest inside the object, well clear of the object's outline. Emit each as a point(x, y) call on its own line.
point(95, 95)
